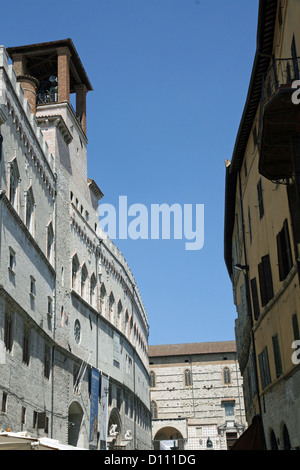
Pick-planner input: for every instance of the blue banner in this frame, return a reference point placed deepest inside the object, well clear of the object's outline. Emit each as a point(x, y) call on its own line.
point(95, 379)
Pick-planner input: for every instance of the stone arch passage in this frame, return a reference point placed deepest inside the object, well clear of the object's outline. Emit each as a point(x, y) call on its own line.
point(75, 416)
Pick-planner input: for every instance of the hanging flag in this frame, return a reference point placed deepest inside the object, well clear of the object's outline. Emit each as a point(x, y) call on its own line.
point(104, 412)
point(95, 379)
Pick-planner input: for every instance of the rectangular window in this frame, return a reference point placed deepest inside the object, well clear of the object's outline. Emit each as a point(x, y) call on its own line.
point(255, 300)
point(264, 368)
point(23, 415)
point(47, 362)
point(32, 287)
point(50, 307)
point(4, 402)
point(11, 260)
point(229, 408)
point(265, 280)
point(285, 261)
point(8, 337)
point(26, 347)
point(260, 199)
point(277, 355)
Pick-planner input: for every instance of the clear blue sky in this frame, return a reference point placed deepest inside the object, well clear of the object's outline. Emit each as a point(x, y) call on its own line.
point(170, 80)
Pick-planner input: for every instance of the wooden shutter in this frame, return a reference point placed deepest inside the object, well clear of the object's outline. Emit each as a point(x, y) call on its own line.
point(268, 277)
point(263, 296)
point(277, 355)
point(295, 326)
point(280, 256)
point(41, 420)
point(294, 211)
point(255, 300)
point(288, 251)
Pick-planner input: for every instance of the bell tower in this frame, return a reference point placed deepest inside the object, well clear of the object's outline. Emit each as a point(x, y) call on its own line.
point(50, 73)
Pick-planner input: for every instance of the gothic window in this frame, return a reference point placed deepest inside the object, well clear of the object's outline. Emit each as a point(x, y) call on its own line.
point(120, 308)
point(152, 379)
point(154, 409)
point(84, 275)
point(50, 242)
point(93, 283)
point(29, 214)
point(75, 269)
point(126, 322)
point(111, 306)
point(102, 299)
point(226, 375)
point(13, 184)
point(187, 378)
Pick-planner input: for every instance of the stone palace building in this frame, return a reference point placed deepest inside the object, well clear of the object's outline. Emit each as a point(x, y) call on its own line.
point(73, 328)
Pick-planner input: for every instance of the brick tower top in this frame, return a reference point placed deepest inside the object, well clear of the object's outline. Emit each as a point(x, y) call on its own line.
point(49, 72)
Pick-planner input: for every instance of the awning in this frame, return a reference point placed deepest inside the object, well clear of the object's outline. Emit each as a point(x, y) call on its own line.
point(252, 438)
point(22, 441)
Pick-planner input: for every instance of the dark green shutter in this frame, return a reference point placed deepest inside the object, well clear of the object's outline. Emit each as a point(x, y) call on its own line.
point(277, 355)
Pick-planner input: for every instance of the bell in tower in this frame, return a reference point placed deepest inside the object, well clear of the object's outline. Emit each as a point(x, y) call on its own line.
point(49, 73)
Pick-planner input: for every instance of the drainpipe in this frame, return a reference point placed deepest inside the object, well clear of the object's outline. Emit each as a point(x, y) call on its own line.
point(54, 310)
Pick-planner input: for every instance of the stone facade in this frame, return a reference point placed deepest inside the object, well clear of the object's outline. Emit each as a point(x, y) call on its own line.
point(69, 304)
point(196, 396)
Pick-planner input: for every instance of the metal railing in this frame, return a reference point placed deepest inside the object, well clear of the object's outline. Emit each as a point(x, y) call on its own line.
point(46, 97)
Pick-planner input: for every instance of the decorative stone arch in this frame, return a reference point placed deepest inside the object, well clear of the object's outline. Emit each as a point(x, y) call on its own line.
point(114, 431)
point(75, 428)
point(168, 437)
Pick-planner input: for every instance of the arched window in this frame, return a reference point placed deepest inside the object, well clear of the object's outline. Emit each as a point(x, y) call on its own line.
point(84, 275)
point(152, 379)
point(102, 299)
point(126, 322)
point(75, 269)
point(120, 308)
point(111, 307)
point(50, 242)
point(187, 378)
point(154, 409)
point(13, 190)
point(93, 283)
point(226, 376)
point(29, 214)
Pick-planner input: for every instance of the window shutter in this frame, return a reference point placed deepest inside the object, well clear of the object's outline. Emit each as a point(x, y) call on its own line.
point(268, 277)
point(294, 211)
point(255, 300)
point(288, 252)
point(263, 296)
point(41, 420)
point(295, 326)
point(263, 360)
point(280, 256)
point(277, 355)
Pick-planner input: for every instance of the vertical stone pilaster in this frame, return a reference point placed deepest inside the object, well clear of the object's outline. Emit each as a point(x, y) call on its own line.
point(63, 74)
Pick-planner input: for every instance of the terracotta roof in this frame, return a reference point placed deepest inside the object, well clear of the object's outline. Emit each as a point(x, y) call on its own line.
point(192, 348)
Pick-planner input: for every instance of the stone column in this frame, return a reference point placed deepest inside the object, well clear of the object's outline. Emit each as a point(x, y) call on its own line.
point(30, 86)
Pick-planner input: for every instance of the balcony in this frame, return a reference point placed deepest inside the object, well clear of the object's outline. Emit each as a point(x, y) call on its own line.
point(279, 119)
